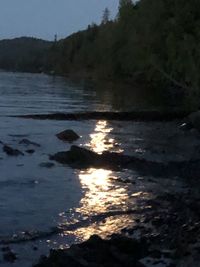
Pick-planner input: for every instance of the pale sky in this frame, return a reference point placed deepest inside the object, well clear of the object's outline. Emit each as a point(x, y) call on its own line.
point(45, 18)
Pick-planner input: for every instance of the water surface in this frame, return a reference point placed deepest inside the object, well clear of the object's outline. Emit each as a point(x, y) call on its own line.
point(34, 198)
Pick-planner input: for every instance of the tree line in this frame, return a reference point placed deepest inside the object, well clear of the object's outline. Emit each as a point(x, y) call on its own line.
point(155, 41)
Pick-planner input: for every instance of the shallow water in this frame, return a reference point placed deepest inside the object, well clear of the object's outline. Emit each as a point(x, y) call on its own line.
point(34, 198)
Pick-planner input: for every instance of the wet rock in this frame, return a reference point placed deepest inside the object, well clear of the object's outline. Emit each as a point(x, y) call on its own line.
point(194, 120)
point(12, 152)
point(185, 126)
point(5, 249)
point(77, 156)
point(30, 151)
point(10, 257)
point(46, 164)
point(28, 142)
point(117, 252)
point(68, 135)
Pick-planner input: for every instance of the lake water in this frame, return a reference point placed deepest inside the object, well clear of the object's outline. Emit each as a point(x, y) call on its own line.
point(33, 199)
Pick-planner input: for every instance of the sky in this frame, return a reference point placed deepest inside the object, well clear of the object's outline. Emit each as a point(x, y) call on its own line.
point(45, 18)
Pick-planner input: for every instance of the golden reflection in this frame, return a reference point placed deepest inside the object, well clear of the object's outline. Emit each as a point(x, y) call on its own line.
point(104, 229)
point(100, 141)
point(101, 194)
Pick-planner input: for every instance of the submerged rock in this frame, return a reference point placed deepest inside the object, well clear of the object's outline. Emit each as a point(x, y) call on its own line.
point(68, 135)
point(30, 151)
point(11, 151)
point(10, 256)
point(28, 142)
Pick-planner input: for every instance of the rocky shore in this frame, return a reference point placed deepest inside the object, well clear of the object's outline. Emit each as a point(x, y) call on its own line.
point(168, 234)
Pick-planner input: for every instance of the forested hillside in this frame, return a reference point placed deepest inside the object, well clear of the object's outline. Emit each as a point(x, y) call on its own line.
point(157, 41)
point(24, 54)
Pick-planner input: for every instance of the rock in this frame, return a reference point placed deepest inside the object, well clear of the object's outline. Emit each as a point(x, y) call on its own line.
point(12, 152)
point(47, 165)
point(117, 252)
point(77, 156)
point(80, 157)
point(194, 120)
point(186, 126)
point(10, 256)
point(28, 142)
point(68, 135)
point(30, 151)
point(5, 249)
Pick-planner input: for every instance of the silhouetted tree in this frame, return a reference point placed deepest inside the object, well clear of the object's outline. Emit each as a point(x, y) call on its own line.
point(106, 16)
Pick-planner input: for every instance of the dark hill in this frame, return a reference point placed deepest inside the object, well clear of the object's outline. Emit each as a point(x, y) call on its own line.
point(23, 54)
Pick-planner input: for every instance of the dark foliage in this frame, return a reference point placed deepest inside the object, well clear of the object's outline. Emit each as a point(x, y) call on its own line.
point(24, 54)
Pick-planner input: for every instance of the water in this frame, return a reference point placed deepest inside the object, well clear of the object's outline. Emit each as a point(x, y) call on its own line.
point(34, 198)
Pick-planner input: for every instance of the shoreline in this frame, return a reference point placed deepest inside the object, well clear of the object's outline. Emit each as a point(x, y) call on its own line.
point(163, 235)
point(155, 115)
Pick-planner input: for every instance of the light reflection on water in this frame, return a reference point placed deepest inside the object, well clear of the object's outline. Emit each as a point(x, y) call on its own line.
point(102, 192)
point(100, 139)
point(105, 228)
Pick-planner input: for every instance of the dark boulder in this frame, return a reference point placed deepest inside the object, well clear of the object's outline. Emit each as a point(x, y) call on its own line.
point(10, 256)
point(77, 156)
point(68, 135)
point(12, 152)
point(193, 120)
point(80, 157)
point(30, 151)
